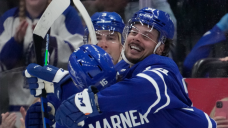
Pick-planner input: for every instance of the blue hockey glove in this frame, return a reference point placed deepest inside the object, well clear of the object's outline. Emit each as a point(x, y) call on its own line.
point(49, 77)
point(77, 108)
point(223, 23)
point(33, 118)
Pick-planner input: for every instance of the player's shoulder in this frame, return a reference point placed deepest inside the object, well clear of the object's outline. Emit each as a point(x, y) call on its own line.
point(10, 13)
point(156, 61)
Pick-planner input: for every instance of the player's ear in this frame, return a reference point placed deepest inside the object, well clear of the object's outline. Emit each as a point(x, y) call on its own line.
point(160, 49)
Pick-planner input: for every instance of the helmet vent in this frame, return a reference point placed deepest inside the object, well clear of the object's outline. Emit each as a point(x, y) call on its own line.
point(90, 56)
point(80, 63)
point(157, 20)
point(99, 67)
point(90, 75)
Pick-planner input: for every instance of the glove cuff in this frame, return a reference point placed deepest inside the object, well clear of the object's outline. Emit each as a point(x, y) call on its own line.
point(58, 86)
point(60, 74)
point(95, 91)
point(85, 102)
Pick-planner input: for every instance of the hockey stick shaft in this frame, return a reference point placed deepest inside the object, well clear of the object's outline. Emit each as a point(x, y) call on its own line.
point(52, 12)
point(46, 51)
point(87, 20)
point(45, 116)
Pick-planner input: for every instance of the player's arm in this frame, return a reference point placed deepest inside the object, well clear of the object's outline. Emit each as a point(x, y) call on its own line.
point(149, 91)
point(146, 92)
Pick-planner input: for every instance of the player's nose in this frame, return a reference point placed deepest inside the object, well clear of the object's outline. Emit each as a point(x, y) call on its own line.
point(137, 37)
point(103, 44)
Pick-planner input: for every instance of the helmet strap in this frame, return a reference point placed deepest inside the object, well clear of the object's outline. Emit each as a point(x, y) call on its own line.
point(124, 57)
point(156, 47)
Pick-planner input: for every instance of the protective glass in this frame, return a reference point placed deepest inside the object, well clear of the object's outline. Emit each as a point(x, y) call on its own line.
point(145, 31)
point(107, 36)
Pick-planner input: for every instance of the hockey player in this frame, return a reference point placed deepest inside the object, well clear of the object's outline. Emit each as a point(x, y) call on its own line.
point(108, 27)
point(151, 93)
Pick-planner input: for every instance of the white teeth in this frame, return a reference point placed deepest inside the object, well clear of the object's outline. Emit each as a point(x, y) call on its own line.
point(136, 48)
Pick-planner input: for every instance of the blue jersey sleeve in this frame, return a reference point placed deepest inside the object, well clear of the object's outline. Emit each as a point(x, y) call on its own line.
point(149, 91)
point(12, 50)
point(69, 89)
point(202, 49)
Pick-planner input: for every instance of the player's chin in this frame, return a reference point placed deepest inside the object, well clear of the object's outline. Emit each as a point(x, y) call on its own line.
point(133, 60)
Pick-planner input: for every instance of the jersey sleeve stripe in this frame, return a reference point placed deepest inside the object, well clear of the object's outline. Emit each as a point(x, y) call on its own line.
point(189, 109)
point(209, 121)
point(167, 96)
point(154, 83)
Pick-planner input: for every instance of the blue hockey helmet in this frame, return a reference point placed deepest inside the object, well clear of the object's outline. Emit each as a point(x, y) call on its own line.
point(153, 19)
point(91, 65)
point(110, 21)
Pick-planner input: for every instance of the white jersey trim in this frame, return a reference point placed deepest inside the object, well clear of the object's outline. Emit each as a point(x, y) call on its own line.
point(209, 121)
point(154, 83)
point(166, 94)
point(189, 109)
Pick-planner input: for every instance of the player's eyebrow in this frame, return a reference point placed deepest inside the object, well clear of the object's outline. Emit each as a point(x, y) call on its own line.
point(146, 32)
point(150, 34)
point(112, 35)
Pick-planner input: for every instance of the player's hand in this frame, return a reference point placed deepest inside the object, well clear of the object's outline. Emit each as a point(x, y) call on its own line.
point(20, 31)
point(77, 108)
point(8, 120)
point(223, 23)
point(48, 76)
point(33, 117)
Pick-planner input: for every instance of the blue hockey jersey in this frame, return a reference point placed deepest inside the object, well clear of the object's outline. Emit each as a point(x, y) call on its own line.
point(202, 48)
point(152, 94)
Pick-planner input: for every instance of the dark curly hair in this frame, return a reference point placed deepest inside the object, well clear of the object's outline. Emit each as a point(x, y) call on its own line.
point(168, 45)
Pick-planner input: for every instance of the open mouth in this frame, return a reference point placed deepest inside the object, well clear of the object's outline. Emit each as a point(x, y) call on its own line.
point(136, 48)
